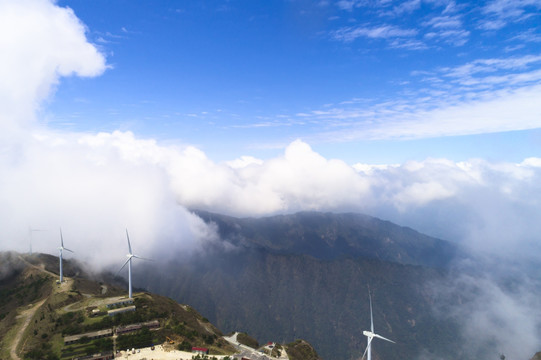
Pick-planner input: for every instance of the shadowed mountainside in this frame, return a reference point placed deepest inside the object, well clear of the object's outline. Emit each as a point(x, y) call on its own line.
point(306, 276)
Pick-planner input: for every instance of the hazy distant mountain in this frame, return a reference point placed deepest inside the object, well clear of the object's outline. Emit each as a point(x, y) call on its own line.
point(306, 276)
point(330, 236)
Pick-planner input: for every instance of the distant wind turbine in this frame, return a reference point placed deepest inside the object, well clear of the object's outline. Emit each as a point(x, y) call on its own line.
point(130, 255)
point(371, 334)
point(62, 248)
point(30, 232)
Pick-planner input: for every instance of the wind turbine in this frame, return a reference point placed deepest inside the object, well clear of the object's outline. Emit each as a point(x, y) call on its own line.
point(62, 248)
point(30, 232)
point(130, 255)
point(371, 334)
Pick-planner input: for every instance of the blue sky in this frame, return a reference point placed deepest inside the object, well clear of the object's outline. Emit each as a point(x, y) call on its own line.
point(362, 81)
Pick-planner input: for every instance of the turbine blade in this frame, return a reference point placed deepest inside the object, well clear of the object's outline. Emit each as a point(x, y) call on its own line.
point(364, 354)
point(367, 347)
point(382, 338)
point(71, 251)
point(61, 239)
point(371, 317)
point(142, 258)
point(128, 237)
point(119, 270)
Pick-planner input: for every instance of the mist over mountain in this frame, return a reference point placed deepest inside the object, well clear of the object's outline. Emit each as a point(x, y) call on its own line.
point(306, 275)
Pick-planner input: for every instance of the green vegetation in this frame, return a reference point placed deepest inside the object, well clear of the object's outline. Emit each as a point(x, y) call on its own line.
point(139, 339)
point(301, 350)
point(29, 291)
point(245, 339)
point(87, 347)
point(43, 353)
point(184, 346)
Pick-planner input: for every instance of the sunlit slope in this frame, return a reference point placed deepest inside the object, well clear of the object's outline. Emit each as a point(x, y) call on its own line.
point(37, 314)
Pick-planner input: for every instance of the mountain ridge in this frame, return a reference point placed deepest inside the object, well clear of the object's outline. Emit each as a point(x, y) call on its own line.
point(335, 235)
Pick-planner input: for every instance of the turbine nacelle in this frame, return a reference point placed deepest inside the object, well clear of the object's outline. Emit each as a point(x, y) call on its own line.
point(370, 334)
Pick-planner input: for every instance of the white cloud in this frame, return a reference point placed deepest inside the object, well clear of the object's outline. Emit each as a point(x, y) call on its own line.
point(454, 37)
point(482, 96)
point(444, 22)
point(243, 162)
point(407, 7)
point(348, 34)
point(348, 4)
point(481, 66)
point(501, 12)
point(93, 193)
point(41, 43)
point(491, 315)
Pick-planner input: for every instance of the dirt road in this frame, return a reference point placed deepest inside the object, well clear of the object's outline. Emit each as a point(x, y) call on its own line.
point(26, 315)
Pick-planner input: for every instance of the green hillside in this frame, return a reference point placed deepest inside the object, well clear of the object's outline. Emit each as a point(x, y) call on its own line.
point(42, 319)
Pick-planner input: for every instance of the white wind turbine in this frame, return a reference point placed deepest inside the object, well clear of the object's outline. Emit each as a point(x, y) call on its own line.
point(130, 255)
point(371, 334)
point(30, 232)
point(62, 248)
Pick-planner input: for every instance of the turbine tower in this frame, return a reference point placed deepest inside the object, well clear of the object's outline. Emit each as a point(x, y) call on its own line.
point(130, 255)
point(30, 232)
point(371, 334)
point(62, 248)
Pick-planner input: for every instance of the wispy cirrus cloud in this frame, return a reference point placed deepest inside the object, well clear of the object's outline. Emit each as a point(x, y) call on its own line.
point(509, 71)
point(529, 36)
point(443, 24)
point(446, 28)
point(450, 36)
point(482, 96)
point(406, 7)
point(445, 21)
point(502, 12)
point(431, 118)
point(348, 4)
point(349, 34)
